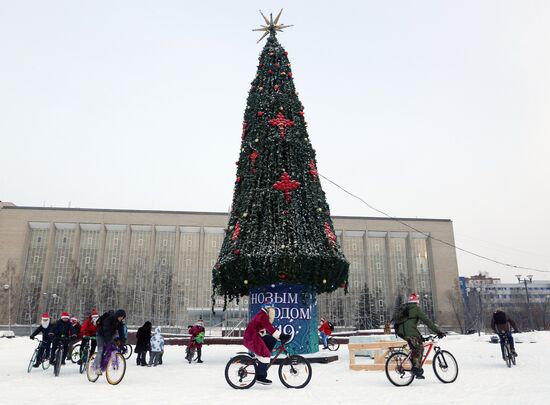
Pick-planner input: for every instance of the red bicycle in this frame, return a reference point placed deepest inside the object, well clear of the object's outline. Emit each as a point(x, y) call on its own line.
point(399, 364)
point(294, 370)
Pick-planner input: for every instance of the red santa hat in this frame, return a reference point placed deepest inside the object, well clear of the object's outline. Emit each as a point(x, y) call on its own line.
point(65, 315)
point(45, 315)
point(94, 312)
point(413, 298)
point(74, 319)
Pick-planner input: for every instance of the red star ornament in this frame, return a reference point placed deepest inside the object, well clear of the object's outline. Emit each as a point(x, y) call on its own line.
point(236, 231)
point(286, 185)
point(313, 170)
point(282, 123)
point(330, 235)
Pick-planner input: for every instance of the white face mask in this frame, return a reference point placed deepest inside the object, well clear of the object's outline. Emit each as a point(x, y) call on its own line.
point(45, 323)
point(94, 319)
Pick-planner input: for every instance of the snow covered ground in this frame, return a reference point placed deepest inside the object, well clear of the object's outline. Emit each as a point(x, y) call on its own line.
point(483, 379)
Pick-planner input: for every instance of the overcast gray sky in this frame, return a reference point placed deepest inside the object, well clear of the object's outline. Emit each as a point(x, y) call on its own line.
point(430, 109)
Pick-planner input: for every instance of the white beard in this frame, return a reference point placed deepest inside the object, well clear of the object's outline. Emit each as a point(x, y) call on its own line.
point(271, 313)
point(45, 324)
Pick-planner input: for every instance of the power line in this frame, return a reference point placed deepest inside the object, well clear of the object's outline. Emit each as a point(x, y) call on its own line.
point(431, 237)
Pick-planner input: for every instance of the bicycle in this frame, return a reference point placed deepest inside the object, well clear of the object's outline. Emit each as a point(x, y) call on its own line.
point(399, 364)
point(332, 344)
point(59, 355)
point(84, 354)
point(44, 360)
point(113, 364)
point(294, 370)
point(507, 354)
point(75, 353)
point(126, 350)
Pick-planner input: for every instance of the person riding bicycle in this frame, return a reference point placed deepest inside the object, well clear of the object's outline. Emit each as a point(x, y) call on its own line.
point(197, 338)
point(260, 337)
point(88, 330)
point(500, 323)
point(325, 331)
point(61, 333)
point(45, 328)
point(409, 331)
point(107, 325)
point(75, 338)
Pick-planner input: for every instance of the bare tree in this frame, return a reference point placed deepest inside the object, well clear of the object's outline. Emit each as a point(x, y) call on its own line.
point(457, 305)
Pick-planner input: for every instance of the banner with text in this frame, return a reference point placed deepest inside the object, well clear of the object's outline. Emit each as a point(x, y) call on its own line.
point(295, 314)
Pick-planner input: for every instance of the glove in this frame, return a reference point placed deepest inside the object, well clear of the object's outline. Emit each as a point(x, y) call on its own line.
point(31, 337)
point(284, 338)
point(441, 335)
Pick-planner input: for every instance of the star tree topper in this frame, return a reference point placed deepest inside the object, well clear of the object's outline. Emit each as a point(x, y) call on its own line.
point(271, 26)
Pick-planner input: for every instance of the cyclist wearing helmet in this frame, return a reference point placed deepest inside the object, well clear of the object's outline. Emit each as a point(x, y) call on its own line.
point(260, 337)
point(409, 331)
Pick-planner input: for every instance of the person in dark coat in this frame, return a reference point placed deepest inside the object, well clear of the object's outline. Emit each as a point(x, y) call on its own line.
point(74, 338)
point(143, 344)
point(500, 323)
point(108, 325)
point(61, 333)
point(45, 328)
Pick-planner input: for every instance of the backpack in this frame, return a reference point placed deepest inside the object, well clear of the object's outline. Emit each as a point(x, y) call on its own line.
point(331, 326)
point(499, 317)
point(400, 316)
point(102, 318)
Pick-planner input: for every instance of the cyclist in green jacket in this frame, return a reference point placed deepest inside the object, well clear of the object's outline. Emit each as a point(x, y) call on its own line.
point(409, 331)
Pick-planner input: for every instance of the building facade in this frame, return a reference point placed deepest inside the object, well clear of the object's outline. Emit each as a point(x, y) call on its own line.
point(157, 265)
point(526, 301)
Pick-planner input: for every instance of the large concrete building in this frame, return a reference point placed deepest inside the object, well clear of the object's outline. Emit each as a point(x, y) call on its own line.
point(157, 265)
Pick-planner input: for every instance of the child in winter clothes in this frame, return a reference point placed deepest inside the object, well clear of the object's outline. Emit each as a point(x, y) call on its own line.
point(157, 347)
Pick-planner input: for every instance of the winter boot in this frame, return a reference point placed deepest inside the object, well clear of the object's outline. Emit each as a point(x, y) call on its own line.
point(418, 373)
point(261, 374)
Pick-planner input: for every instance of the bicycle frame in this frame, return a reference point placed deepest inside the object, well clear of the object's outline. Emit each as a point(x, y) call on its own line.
point(429, 344)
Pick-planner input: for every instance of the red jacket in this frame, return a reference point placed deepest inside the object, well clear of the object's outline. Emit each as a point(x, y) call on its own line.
point(325, 329)
point(194, 331)
point(258, 326)
point(88, 328)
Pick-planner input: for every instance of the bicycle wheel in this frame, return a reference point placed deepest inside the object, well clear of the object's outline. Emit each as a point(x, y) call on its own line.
point(333, 345)
point(75, 353)
point(32, 361)
point(513, 358)
point(399, 369)
point(84, 359)
point(58, 359)
point(116, 368)
point(507, 355)
point(90, 369)
point(445, 367)
point(295, 372)
point(127, 351)
point(240, 372)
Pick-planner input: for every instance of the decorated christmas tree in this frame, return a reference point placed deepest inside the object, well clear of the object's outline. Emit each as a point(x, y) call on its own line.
point(280, 229)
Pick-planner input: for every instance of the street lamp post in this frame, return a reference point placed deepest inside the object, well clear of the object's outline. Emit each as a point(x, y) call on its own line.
point(524, 281)
point(8, 289)
point(479, 315)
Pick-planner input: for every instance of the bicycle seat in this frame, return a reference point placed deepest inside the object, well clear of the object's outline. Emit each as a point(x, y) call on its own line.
point(248, 354)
